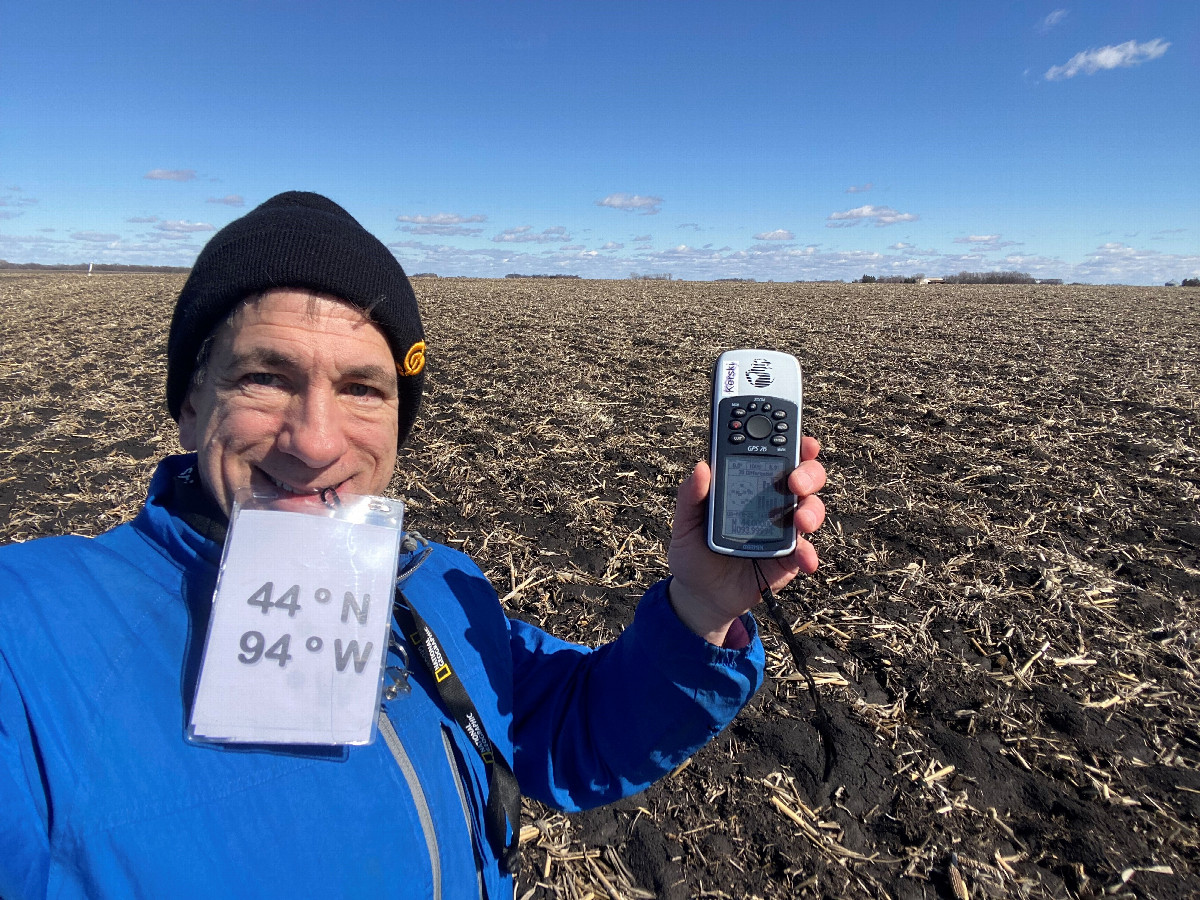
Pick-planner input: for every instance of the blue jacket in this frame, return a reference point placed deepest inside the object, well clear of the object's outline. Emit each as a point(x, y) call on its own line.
point(101, 794)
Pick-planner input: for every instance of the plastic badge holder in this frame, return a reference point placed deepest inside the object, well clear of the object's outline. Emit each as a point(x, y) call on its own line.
point(300, 621)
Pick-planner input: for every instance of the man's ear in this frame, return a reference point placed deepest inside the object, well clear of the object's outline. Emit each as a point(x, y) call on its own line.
point(187, 424)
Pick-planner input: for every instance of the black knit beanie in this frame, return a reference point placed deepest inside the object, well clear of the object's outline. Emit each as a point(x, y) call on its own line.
point(298, 240)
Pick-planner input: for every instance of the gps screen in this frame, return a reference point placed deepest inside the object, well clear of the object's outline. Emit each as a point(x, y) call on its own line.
point(752, 500)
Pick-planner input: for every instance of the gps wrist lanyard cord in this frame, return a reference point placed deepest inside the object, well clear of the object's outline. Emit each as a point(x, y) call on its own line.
point(823, 723)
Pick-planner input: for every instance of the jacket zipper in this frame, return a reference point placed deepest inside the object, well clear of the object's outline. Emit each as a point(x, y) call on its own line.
point(414, 785)
point(462, 799)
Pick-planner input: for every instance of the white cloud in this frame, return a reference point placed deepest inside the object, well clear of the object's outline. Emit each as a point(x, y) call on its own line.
point(442, 230)
point(525, 234)
point(986, 242)
point(648, 206)
point(126, 247)
point(1051, 20)
point(151, 254)
point(95, 237)
point(14, 201)
point(779, 234)
point(695, 226)
point(1117, 262)
point(10, 240)
point(613, 245)
point(94, 246)
point(182, 227)
point(441, 219)
point(881, 215)
point(911, 250)
point(1110, 263)
point(170, 174)
point(642, 238)
point(571, 259)
point(1089, 62)
point(228, 200)
point(859, 188)
point(142, 220)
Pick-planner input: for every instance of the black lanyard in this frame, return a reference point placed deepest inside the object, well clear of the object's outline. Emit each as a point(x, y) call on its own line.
point(504, 796)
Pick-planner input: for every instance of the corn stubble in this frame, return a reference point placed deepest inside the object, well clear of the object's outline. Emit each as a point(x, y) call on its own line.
point(1004, 628)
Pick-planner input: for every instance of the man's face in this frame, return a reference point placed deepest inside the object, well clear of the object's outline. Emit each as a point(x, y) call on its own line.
point(300, 395)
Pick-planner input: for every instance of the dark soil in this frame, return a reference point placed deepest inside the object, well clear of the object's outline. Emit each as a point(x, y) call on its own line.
point(1004, 628)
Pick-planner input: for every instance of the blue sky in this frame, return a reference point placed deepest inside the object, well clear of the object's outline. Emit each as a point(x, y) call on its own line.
point(710, 140)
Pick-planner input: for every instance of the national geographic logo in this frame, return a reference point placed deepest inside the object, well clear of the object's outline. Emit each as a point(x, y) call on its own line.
point(476, 733)
point(441, 668)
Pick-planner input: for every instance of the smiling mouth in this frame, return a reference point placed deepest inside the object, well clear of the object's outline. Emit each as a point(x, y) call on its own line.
point(301, 492)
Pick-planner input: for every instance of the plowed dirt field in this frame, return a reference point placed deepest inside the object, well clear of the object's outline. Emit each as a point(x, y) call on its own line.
point(1004, 628)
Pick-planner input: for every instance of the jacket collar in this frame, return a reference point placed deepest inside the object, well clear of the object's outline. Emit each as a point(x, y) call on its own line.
point(179, 516)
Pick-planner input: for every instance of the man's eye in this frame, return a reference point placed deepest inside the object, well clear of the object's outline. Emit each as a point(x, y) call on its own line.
point(358, 390)
point(266, 379)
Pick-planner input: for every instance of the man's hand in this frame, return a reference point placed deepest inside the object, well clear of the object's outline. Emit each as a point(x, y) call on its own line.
point(710, 590)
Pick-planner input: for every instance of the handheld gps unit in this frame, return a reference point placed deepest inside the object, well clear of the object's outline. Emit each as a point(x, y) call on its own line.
point(755, 446)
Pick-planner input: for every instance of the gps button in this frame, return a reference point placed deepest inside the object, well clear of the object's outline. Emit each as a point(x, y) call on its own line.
point(758, 427)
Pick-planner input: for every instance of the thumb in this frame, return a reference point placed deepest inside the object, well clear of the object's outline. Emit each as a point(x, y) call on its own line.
point(690, 508)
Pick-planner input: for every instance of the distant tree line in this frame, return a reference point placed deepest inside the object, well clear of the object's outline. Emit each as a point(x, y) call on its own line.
point(1191, 282)
point(892, 279)
point(961, 278)
point(737, 280)
point(990, 278)
point(83, 267)
point(516, 275)
point(661, 276)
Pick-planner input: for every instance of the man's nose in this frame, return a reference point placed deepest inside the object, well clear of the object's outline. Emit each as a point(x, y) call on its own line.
point(314, 432)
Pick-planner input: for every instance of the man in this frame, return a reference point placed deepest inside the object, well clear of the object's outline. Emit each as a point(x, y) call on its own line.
point(295, 364)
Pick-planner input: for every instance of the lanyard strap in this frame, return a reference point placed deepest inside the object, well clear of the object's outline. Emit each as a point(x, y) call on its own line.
point(503, 809)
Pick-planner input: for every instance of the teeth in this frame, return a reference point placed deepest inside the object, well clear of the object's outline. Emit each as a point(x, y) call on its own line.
point(287, 487)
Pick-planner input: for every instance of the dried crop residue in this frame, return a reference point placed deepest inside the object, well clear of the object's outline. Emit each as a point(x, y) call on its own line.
point(1004, 628)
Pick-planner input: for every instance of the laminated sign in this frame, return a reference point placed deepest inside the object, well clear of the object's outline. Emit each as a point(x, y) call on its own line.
point(300, 623)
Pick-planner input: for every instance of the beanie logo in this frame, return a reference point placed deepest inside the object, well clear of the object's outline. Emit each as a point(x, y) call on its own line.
point(414, 360)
